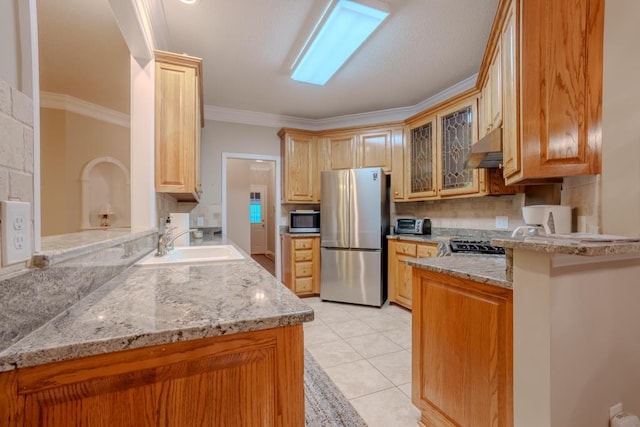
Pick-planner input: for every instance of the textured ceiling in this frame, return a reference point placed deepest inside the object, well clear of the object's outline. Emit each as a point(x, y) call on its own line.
point(424, 47)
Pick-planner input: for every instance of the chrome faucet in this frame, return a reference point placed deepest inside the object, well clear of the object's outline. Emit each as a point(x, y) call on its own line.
point(165, 239)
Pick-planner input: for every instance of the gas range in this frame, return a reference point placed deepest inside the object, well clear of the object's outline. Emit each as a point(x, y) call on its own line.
point(475, 247)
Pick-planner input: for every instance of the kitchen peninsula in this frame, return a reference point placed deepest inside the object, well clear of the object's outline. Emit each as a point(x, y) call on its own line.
point(504, 326)
point(162, 345)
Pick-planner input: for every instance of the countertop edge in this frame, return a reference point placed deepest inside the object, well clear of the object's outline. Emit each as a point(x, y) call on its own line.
point(430, 264)
point(136, 341)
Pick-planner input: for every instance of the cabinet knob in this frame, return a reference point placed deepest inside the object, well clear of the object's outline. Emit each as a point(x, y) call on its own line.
point(396, 193)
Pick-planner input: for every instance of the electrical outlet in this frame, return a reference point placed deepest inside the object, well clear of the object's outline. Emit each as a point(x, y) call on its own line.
point(16, 232)
point(502, 222)
point(200, 221)
point(615, 409)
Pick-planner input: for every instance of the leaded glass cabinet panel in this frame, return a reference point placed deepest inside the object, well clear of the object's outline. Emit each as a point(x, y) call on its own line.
point(421, 177)
point(458, 132)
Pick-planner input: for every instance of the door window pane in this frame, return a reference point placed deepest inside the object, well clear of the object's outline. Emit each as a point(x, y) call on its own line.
point(255, 211)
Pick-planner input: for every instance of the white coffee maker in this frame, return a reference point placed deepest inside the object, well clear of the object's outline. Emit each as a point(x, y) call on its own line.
point(544, 219)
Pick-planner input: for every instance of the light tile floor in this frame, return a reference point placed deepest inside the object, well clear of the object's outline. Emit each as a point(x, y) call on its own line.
point(367, 352)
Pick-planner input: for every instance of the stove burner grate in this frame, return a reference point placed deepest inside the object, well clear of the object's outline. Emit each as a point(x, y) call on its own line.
point(475, 247)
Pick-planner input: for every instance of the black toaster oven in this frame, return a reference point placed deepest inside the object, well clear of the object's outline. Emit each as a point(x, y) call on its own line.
point(413, 226)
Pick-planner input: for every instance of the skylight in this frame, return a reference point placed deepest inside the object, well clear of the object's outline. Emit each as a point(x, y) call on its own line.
point(333, 41)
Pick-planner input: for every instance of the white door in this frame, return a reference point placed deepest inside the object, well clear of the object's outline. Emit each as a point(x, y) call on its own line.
point(257, 218)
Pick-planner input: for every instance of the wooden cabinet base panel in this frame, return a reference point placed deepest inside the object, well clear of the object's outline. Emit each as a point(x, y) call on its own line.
point(246, 379)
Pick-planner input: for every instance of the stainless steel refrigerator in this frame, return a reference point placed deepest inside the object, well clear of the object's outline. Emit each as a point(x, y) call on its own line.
point(354, 219)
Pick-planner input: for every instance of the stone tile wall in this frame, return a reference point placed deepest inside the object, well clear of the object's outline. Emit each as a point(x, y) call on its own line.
point(16, 150)
point(469, 213)
point(582, 193)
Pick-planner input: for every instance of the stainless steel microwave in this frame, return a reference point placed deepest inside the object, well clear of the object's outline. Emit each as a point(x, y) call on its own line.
point(304, 222)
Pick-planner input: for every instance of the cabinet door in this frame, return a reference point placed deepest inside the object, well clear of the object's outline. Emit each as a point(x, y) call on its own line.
point(175, 128)
point(375, 150)
point(341, 151)
point(299, 172)
point(421, 162)
point(462, 351)
point(562, 49)
point(510, 108)
point(403, 278)
point(204, 382)
point(457, 131)
point(426, 251)
point(398, 168)
point(495, 92)
point(287, 260)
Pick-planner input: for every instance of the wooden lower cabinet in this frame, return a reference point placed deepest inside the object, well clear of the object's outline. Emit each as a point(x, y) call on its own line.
point(245, 379)
point(301, 264)
point(462, 351)
point(399, 273)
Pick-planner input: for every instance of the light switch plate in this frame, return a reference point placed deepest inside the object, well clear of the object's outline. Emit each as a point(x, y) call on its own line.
point(16, 232)
point(502, 222)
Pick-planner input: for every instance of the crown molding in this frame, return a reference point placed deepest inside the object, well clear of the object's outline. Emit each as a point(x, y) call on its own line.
point(255, 118)
point(59, 101)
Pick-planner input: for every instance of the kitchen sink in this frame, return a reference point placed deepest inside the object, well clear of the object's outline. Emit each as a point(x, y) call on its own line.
point(193, 254)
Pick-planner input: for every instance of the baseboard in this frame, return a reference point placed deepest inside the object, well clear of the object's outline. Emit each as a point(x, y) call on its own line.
point(270, 255)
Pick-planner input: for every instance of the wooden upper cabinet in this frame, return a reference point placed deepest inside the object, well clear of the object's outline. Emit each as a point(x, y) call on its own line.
point(375, 149)
point(421, 161)
point(457, 132)
point(340, 151)
point(439, 143)
point(553, 113)
point(300, 176)
point(398, 150)
point(490, 114)
point(510, 109)
point(178, 120)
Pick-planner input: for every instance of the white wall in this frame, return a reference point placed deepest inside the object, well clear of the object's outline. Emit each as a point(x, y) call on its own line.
point(221, 137)
point(621, 119)
point(238, 182)
point(576, 346)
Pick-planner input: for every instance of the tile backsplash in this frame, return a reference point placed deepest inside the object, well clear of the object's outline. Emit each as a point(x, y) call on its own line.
point(582, 193)
point(16, 150)
point(472, 213)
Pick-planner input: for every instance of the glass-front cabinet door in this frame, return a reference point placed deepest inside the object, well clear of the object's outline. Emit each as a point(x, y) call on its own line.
point(457, 128)
point(421, 168)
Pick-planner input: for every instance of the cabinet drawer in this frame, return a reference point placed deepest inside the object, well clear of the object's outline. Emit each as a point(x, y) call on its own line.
point(302, 243)
point(303, 255)
point(304, 269)
point(427, 251)
point(406, 248)
point(304, 284)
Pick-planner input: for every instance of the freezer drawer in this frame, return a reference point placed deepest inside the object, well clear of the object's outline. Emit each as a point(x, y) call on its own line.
point(353, 276)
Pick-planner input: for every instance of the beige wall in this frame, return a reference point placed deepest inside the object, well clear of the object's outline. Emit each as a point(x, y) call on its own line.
point(68, 142)
point(621, 119)
point(9, 43)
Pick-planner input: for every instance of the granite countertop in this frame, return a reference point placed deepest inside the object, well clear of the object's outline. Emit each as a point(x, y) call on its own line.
point(574, 244)
point(150, 305)
point(59, 248)
point(489, 269)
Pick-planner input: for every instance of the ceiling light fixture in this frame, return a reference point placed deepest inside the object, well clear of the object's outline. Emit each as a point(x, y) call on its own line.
point(341, 30)
point(189, 1)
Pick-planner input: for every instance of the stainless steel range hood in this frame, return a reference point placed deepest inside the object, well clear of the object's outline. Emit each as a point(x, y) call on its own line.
point(487, 152)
